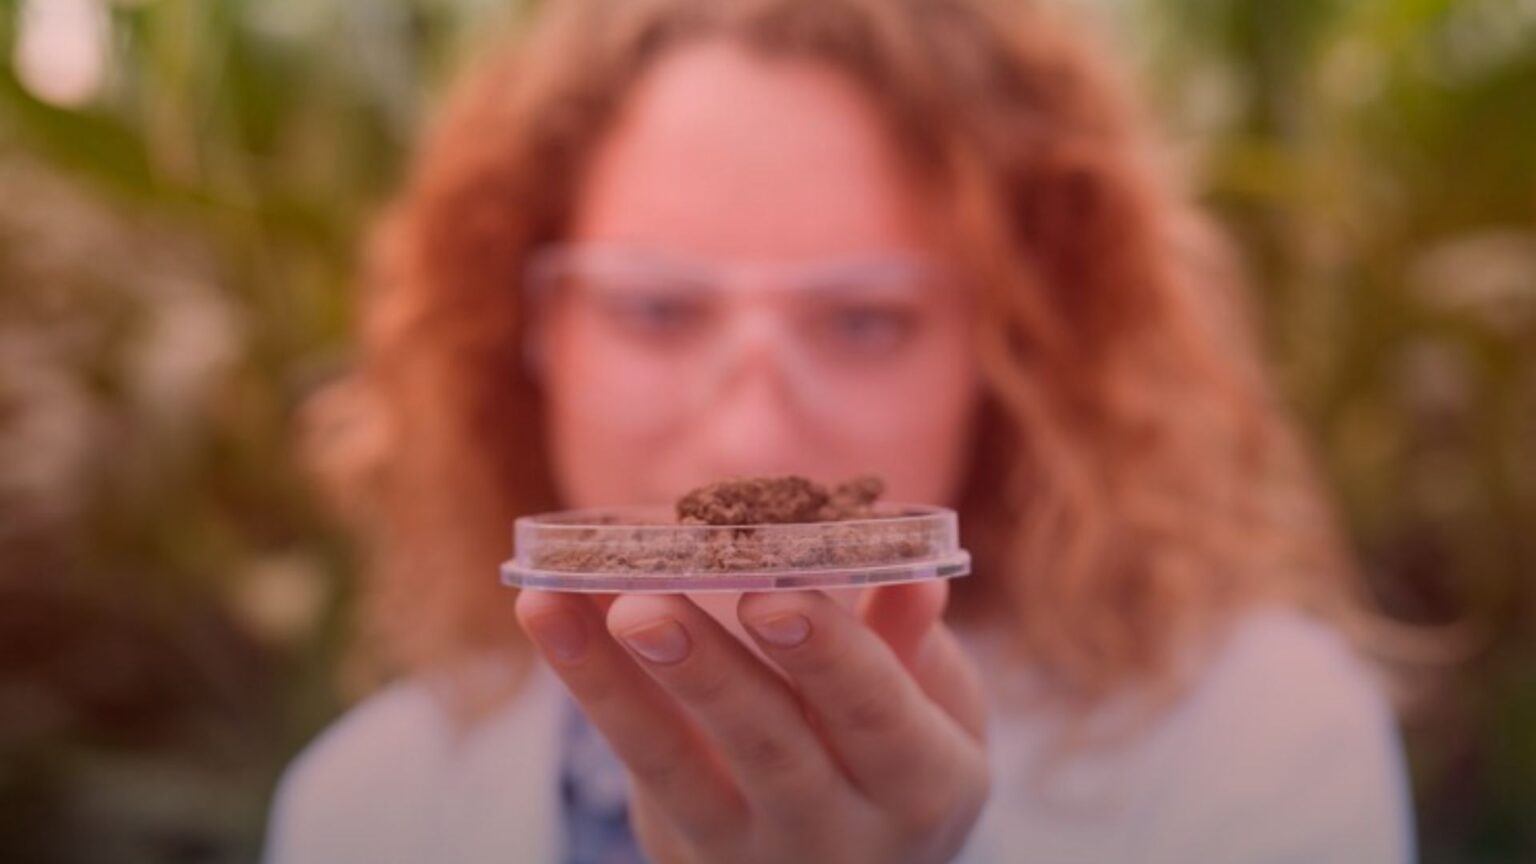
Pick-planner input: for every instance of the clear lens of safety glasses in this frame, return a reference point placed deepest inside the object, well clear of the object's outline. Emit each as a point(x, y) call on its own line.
point(681, 329)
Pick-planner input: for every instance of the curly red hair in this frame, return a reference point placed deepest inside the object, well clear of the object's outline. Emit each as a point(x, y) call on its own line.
point(1134, 482)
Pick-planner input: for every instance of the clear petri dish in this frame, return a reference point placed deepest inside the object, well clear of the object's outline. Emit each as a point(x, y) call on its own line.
point(645, 550)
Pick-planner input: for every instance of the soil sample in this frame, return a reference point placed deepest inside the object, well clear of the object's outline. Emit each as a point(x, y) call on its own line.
point(754, 524)
point(776, 500)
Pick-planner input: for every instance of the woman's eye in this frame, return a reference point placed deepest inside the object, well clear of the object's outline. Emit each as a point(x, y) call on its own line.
point(867, 329)
point(655, 316)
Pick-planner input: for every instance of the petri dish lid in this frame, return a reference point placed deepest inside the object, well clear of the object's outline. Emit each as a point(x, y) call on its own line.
point(646, 550)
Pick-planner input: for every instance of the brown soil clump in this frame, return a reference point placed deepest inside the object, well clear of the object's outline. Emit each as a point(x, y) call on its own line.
point(776, 500)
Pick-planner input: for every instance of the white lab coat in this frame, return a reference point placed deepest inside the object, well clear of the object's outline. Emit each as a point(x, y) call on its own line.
point(1283, 751)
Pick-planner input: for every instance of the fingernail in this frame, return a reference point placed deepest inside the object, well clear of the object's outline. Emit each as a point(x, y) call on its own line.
point(662, 642)
point(560, 634)
point(785, 631)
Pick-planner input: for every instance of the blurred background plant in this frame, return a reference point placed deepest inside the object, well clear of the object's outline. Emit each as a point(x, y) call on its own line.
point(183, 187)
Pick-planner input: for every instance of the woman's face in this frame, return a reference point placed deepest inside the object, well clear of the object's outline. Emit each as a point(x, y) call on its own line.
point(753, 285)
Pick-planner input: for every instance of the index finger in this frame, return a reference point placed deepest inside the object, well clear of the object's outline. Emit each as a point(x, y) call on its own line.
point(749, 713)
point(884, 728)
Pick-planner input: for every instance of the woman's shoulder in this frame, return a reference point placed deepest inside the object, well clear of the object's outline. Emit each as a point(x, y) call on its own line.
point(1265, 657)
point(1280, 674)
point(1306, 649)
point(1281, 745)
point(386, 777)
point(1284, 742)
point(1273, 679)
point(391, 734)
point(366, 769)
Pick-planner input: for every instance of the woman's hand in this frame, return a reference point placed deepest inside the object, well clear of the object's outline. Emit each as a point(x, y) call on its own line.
point(871, 751)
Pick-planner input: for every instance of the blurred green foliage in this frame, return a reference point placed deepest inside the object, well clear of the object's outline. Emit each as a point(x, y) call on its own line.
point(176, 254)
point(1378, 160)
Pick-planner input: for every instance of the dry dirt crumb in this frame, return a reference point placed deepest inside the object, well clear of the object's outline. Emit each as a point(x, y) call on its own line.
point(773, 500)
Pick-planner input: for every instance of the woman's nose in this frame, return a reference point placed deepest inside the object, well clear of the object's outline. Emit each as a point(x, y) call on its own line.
point(751, 423)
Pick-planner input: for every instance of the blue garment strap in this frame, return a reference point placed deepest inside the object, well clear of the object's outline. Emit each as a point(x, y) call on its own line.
point(594, 794)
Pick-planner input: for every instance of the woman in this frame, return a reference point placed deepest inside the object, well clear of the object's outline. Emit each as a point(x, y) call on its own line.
point(657, 243)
